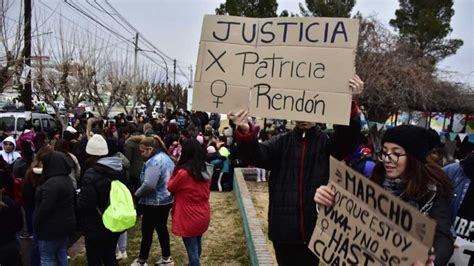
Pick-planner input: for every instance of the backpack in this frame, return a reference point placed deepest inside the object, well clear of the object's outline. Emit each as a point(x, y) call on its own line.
point(120, 215)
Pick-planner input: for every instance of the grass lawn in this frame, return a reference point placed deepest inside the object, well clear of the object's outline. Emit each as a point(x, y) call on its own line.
point(223, 244)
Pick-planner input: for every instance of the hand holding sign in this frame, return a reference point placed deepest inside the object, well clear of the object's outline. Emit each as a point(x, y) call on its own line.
point(356, 84)
point(240, 119)
point(367, 225)
point(324, 196)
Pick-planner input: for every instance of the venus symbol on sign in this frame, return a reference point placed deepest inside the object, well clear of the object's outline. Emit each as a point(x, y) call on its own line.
point(218, 93)
point(324, 225)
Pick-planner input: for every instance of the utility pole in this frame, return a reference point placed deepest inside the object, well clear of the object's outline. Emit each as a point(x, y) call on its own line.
point(135, 74)
point(191, 76)
point(26, 92)
point(174, 72)
point(190, 89)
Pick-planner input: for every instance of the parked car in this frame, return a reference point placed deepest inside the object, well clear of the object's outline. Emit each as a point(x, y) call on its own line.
point(14, 122)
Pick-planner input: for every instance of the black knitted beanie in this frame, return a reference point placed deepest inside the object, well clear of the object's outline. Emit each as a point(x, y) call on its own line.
point(416, 141)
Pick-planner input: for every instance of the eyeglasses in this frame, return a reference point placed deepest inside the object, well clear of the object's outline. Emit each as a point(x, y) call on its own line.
point(393, 157)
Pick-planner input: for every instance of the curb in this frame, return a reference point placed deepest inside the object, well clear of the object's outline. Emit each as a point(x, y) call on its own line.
point(256, 240)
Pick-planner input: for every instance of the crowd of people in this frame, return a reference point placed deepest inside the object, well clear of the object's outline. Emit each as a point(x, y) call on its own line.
point(59, 187)
point(54, 189)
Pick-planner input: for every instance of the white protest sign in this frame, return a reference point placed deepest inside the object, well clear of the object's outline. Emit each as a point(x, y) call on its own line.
point(285, 57)
point(463, 253)
point(368, 225)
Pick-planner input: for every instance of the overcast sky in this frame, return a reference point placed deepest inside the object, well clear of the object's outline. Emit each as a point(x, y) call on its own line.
point(174, 26)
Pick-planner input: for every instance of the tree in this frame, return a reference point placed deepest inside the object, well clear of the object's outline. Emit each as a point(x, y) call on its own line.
point(425, 25)
point(175, 95)
point(12, 42)
point(46, 77)
point(250, 8)
point(150, 88)
point(90, 63)
point(327, 8)
point(110, 79)
point(397, 81)
point(124, 98)
point(62, 51)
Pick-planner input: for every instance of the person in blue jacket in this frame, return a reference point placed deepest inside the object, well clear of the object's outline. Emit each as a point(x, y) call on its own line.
point(155, 198)
point(461, 175)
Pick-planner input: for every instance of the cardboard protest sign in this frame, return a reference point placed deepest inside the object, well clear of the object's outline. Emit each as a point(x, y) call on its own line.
point(306, 105)
point(310, 55)
point(368, 225)
point(308, 32)
point(463, 253)
point(297, 68)
point(223, 97)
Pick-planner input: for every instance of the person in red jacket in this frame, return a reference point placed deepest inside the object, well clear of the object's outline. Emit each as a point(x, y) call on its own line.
point(190, 186)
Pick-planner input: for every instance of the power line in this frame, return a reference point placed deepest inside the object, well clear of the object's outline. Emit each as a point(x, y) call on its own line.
point(105, 11)
point(108, 27)
point(154, 61)
point(74, 22)
point(158, 51)
point(92, 13)
point(95, 49)
point(89, 14)
point(44, 22)
point(96, 21)
point(132, 27)
point(78, 44)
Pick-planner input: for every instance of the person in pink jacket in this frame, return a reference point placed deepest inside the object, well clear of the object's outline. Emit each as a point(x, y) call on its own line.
point(190, 186)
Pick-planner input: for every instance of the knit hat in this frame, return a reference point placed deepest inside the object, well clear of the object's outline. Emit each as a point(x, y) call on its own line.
point(97, 146)
point(416, 141)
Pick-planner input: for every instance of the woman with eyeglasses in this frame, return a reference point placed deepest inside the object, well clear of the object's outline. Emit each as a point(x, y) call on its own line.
point(403, 169)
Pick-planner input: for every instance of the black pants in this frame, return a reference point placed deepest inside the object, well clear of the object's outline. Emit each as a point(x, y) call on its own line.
point(100, 248)
point(10, 254)
point(155, 218)
point(294, 254)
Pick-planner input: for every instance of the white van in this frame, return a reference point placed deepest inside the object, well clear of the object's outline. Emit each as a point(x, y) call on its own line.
point(14, 121)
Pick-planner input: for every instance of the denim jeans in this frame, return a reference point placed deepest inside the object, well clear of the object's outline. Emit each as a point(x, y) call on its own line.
point(193, 248)
point(35, 254)
point(122, 243)
point(53, 252)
